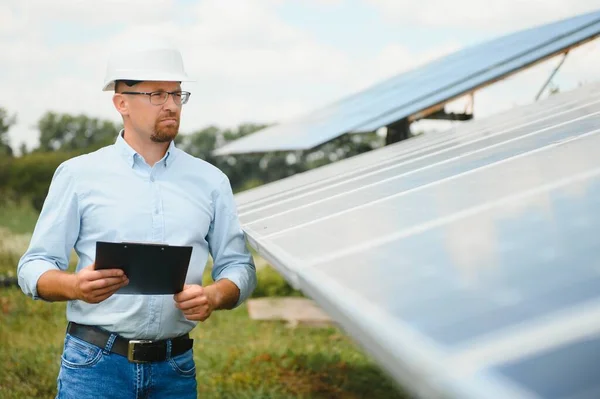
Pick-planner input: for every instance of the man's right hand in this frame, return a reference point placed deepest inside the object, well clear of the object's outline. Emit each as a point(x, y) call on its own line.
point(94, 286)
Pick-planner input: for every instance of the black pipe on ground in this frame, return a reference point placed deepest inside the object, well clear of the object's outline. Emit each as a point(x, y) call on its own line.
point(6, 281)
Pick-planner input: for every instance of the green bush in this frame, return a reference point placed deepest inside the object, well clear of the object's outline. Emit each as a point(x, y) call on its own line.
point(271, 283)
point(17, 217)
point(28, 177)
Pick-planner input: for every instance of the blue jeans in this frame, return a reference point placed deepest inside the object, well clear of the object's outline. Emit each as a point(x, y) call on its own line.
point(88, 371)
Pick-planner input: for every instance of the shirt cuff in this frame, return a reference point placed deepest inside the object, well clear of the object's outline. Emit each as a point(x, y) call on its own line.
point(244, 277)
point(30, 273)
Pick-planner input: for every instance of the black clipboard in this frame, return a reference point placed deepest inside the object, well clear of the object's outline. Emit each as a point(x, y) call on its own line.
point(152, 269)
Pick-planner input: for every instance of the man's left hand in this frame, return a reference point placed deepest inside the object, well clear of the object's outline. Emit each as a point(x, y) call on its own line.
point(195, 302)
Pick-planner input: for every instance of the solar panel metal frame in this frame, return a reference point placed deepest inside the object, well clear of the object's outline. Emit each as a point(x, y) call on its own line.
point(313, 129)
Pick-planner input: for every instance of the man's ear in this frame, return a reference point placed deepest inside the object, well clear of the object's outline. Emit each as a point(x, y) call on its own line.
point(121, 104)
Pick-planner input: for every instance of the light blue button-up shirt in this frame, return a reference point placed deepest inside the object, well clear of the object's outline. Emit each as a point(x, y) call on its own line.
point(113, 195)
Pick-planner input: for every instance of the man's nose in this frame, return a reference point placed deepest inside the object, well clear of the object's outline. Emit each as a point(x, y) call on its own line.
point(170, 104)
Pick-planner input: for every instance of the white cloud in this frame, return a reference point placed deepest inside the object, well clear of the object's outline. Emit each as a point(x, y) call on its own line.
point(493, 16)
point(94, 13)
point(320, 3)
point(8, 20)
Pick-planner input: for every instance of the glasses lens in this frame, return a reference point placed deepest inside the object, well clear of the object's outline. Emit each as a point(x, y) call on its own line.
point(159, 97)
point(184, 96)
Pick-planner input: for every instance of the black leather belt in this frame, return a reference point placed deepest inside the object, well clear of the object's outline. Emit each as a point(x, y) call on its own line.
point(136, 350)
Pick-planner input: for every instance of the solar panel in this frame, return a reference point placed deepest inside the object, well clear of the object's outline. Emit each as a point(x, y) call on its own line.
point(465, 262)
point(310, 181)
point(363, 164)
point(419, 89)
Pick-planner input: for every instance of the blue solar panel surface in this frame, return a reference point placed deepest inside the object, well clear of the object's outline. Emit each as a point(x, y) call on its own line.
point(418, 89)
point(463, 260)
point(361, 165)
point(578, 361)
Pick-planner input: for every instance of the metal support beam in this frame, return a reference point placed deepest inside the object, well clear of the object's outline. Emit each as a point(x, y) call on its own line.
point(449, 116)
point(397, 131)
point(552, 75)
point(470, 105)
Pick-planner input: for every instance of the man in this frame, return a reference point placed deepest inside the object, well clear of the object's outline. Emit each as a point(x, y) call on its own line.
point(142, 188)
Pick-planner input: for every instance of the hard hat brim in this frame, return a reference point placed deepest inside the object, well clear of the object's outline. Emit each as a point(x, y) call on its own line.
point(109, 84)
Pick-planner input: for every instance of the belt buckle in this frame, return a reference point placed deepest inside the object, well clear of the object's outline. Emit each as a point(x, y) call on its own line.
point(131, 349)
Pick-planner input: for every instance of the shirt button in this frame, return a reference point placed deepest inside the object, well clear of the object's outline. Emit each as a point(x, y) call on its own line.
point(156, 211)
point(152, 179)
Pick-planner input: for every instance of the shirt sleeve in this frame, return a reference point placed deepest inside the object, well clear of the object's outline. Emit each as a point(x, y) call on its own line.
point(55, 233)
point(227, 244)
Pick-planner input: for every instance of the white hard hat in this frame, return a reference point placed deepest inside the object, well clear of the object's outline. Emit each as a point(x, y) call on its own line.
point(151, 60)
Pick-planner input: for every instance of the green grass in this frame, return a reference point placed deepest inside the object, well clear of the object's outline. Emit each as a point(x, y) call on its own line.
point(18, 218)
point(236, 357)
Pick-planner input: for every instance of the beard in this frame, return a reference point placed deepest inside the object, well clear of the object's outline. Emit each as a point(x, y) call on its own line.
point(164, 133)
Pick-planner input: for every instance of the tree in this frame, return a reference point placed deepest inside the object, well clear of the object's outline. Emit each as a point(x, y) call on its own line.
point(64, 132)
point(28, 177)
point(6, 122)
point(201, 143)
point(240, 170)
point(23, 149)
point(250, 170)
point(242, 130)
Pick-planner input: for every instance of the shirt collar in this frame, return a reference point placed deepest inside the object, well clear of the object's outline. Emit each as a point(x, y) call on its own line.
point(130, 154)
point(170, 154)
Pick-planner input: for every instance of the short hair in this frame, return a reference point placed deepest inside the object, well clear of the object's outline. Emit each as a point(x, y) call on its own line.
point(129, 83)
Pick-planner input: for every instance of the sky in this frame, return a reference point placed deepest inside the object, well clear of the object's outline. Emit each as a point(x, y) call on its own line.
point(263, 61)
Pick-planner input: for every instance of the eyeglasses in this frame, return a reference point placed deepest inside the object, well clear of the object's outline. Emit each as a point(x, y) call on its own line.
point(161, 97)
